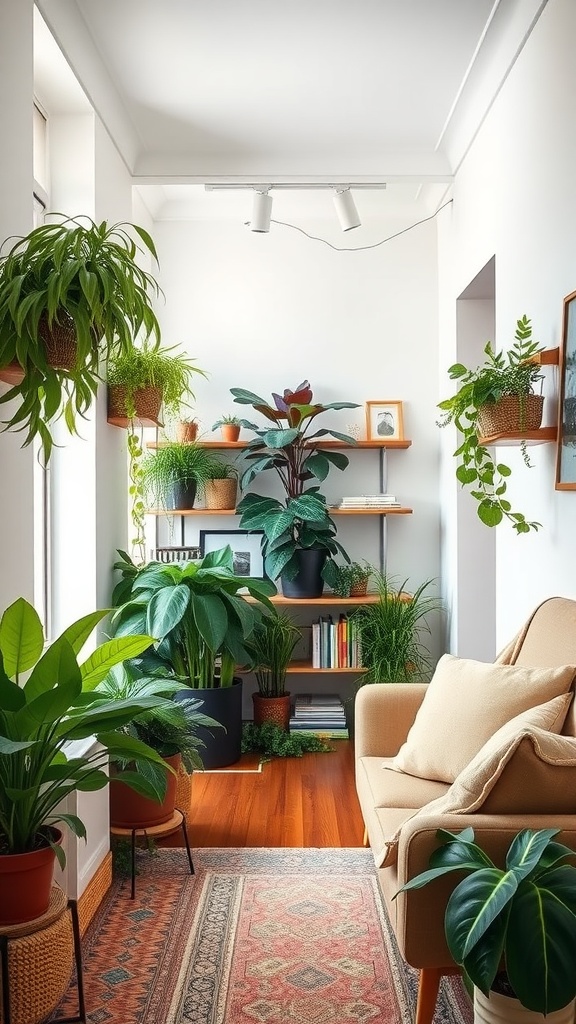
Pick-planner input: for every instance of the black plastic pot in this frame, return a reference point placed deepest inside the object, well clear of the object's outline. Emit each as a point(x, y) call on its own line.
point(308, 582)
point(224, 705)
point(182, 495)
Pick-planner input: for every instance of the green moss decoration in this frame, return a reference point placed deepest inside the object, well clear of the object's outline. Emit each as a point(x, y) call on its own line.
point(270, 740)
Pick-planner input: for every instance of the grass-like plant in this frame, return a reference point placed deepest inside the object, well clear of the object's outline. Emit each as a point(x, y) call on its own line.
point(391, 632)
point(271, 646)
point(165, 368)
point(178, 463)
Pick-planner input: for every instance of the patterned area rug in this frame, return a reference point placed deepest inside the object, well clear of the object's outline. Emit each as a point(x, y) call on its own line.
point(282, 936)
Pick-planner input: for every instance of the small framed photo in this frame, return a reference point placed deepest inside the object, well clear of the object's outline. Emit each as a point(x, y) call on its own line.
point(384, 421)
point(247, 557)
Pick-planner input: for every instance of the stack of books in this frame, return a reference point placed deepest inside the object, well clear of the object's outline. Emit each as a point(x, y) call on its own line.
point(335, 643)
point(360, 501)
point(323, 713)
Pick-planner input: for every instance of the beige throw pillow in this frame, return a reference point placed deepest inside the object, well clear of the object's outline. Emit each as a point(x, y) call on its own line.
point(465, 704)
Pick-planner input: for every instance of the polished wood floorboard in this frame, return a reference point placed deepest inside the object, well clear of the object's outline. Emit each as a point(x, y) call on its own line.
point(302, 802)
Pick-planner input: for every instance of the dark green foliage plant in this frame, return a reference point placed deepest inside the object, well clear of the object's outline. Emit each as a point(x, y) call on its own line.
point(290, 449)
point(270, 646)
point(391, 632)
point(270, 740)
point(523, 914)
point(501, 374)
point(72, 273)
point(47, 699)
point(195, 611)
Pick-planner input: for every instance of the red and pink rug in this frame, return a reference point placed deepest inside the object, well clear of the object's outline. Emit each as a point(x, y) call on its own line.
point(280, 936)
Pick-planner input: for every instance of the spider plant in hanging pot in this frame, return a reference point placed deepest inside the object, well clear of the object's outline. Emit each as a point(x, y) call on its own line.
point(496, 397)
point(71, 293)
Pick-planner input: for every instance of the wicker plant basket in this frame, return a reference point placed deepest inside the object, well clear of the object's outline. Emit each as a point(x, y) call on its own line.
point(186, 431)
point(507, 416)
point(272, 709)
point(359, 589)
point(221, 493)
point(148, 402)
point(60, 343)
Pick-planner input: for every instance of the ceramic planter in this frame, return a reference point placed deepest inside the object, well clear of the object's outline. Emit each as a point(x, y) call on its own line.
point(308, 582)
point(499, 1009)
point(272, 709)
point(224, 705)
point(129, 809)
point(182, 495)
point(230, 432)
point(25, 883)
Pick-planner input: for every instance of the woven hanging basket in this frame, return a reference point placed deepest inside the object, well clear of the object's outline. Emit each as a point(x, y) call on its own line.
point(221, 494)
point(510, 416)
point(147, 401)
point(60, 342)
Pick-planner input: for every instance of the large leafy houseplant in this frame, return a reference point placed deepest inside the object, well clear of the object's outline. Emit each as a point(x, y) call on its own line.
point(47, 700)
point(290, 448)
point(391, 632)
point(71, 275)
point(196, 612)
point(502, 374)
point(521, 917)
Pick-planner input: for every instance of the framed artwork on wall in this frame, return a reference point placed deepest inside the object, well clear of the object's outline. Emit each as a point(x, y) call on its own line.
point(384, 421)
point(246, 550)
point(566, 451)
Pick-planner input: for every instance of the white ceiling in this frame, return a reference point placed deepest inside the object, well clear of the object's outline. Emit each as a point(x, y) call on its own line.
point(196, 91)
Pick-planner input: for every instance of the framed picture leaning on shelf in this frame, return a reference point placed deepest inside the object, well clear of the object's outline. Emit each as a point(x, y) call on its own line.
point(566, 456)
point(246, 549)
point(384, 421)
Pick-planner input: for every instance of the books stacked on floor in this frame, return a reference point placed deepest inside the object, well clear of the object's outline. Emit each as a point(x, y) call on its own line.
point(335, 643)
point(321, 713)
point(361, 501)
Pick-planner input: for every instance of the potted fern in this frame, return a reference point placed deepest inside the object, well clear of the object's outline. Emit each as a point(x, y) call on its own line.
point(71, 293)
point(496, 397)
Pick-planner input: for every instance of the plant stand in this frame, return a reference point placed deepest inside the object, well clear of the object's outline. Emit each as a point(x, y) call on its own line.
point(36, 964)
point(178, 820)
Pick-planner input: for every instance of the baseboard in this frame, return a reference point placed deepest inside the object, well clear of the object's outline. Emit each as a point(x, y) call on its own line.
point(95, 892)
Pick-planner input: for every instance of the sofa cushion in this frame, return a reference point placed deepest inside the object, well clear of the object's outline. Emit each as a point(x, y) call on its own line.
point(464, 705)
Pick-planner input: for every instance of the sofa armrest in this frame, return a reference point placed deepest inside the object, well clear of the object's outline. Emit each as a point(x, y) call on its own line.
point(383, 714)
point(426, 947)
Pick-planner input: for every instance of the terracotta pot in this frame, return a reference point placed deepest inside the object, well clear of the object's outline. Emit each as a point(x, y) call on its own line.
point(499, 1009)
point(25, 883)
point(129, 809)
point(230, 432)
point(221, 493)
point(186, 432)
point(12, 374)
point(272, 709)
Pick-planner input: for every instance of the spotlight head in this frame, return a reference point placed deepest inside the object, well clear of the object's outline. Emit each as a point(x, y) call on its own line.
point(261, 210)
point(346, 209)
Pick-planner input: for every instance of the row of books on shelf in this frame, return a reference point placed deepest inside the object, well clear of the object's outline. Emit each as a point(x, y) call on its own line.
point(315, 712)
point(336, 643)
point(368, 501)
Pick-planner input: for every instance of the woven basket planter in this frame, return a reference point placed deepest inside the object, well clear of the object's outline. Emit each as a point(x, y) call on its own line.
point(359, 589)
point(147, 401)
point(509, 416)
point(60, 343)
point(221, 493)
point(272, 709)
point(186, 432)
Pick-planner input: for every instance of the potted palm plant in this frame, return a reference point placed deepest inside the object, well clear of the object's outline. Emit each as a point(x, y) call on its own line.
point(47, 700)
point(171, 729)
point(202, 623)
point(271, 645)
point(172, 475)
point(391, 632)
point(512, 929)
point(496, 397)
point(299, 534)
point(71, 293)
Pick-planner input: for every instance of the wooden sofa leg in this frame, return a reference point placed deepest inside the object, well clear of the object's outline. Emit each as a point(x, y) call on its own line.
point(428, 986)
point(365, 838)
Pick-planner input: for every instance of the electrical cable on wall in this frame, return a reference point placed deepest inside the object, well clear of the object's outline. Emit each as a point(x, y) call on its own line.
point(358, 248)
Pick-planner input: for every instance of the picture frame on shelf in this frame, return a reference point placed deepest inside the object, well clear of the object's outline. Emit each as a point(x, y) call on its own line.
point(246, 549)
point(566, 450)
point(384, 421)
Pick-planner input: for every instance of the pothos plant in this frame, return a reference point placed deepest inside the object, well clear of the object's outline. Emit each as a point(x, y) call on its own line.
point(501, 374)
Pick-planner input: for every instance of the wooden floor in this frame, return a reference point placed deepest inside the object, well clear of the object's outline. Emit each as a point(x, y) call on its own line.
point(307, 801)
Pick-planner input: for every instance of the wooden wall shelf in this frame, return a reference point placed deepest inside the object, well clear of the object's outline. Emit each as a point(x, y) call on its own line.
point(335, 445)
point(232, 512)
point(544, 435)
point(123, 421)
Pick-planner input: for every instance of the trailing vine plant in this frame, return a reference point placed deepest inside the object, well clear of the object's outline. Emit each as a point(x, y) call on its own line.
point(509, 373)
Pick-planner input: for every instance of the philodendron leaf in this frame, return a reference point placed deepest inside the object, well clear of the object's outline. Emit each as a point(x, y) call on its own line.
point(473, 905)
point(166, 609)
point(121, 648)
point(21, 637)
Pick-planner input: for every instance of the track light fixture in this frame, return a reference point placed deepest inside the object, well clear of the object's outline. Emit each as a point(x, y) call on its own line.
point(346, 208)
point(261, 210)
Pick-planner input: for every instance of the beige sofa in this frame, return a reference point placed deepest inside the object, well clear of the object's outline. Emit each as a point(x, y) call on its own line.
point(402, 836)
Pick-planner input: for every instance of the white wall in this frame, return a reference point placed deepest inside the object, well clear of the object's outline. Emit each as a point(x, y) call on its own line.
point(514, 198)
